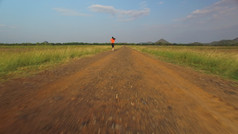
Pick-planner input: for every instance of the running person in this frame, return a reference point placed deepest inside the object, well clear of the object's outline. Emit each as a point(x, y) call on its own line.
point(113, 41)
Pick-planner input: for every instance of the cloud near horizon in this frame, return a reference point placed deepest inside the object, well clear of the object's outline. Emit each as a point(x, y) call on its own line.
point(69, 12)
point(123, 15)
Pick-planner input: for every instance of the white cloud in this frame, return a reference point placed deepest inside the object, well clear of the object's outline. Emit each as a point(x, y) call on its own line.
point(220, 15)
point(143, 4)
point(69, 12)
point(215, 22)
point(161, 2)
point(220, 9)
point(3, 26)
point(124, 15)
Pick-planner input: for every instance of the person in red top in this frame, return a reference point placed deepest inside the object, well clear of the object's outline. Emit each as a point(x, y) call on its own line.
point(113, 41)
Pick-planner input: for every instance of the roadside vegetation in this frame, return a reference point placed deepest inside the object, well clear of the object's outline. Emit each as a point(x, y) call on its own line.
point(22, 59)
point(220, 60)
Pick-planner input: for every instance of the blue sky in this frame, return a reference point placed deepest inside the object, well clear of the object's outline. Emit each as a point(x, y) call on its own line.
point(178, 21)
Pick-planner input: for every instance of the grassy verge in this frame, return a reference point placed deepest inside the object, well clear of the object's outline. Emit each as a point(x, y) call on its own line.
point(221, 61)
point(17, 60)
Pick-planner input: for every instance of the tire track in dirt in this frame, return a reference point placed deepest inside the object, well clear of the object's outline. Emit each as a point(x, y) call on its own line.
point(116, 92)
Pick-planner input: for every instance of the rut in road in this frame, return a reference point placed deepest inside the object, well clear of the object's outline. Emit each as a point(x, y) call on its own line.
point(118, 92)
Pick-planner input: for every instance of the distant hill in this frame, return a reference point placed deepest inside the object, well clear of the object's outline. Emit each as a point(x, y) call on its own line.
point(162, 42)
point(236, 39)
point(233, 42)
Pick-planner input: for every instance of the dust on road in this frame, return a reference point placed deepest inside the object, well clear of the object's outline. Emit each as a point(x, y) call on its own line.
point(119, 92)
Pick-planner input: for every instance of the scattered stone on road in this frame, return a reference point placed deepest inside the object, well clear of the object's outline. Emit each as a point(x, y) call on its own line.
point(83, 97)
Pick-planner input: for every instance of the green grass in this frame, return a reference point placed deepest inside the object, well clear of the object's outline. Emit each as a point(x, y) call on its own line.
point(24, 59)
point(221, 61)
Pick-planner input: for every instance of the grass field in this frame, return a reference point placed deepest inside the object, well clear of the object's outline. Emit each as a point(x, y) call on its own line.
point(221, 61)
point(21, 60)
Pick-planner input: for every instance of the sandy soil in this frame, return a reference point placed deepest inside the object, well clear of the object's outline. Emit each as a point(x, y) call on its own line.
point(119, 92)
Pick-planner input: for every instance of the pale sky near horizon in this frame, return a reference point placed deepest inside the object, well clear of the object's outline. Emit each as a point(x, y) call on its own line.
point(177, 21)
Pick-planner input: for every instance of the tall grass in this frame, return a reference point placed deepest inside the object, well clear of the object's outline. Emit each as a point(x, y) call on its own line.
point(16, 58)
point(221, 61)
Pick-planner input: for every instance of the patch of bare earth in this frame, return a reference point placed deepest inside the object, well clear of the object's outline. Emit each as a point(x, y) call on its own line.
point(119, 92)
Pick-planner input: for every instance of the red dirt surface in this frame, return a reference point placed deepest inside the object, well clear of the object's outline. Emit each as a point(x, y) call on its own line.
point(123, 91)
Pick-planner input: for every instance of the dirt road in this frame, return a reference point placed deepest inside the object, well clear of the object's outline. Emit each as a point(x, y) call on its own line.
point(119, 92)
